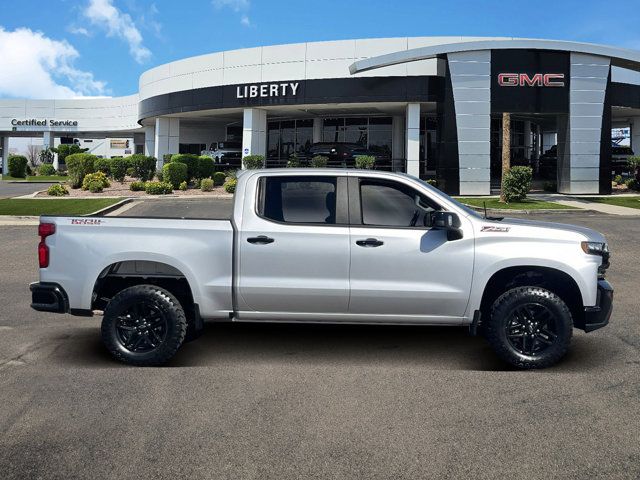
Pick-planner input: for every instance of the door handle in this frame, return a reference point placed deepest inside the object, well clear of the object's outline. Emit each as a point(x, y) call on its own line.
point(260, 240)
point(369, 242)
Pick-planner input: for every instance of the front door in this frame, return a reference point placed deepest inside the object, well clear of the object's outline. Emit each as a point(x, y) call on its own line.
point(400, 268)
point(294, 248)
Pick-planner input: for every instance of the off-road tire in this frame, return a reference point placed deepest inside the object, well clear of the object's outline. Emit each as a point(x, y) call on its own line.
point(502, 318)
point(166, 306)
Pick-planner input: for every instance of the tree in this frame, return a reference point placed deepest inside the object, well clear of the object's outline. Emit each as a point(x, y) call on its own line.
point(506, 150)
point(33, 154)
point(46, 155)
point(65, 150)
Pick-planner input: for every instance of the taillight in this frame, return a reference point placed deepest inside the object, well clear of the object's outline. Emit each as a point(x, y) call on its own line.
point(44, 230)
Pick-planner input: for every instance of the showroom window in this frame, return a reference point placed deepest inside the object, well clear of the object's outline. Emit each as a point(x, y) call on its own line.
point(298, 199)
point(286, 137)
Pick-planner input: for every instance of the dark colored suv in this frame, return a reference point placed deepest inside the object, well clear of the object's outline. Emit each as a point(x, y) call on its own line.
point(340, 154)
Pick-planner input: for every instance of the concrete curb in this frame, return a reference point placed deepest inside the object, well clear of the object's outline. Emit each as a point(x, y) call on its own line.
point(110, 208)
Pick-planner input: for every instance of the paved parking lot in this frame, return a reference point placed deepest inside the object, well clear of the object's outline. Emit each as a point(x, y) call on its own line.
point(14, 189)
point(282, 401)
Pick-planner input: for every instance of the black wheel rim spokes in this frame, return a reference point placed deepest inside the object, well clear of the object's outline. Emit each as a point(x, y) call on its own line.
point(141, 328)
point(531, 329)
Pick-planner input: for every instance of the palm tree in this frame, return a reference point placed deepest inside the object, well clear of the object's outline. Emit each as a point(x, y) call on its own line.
point(506, 150)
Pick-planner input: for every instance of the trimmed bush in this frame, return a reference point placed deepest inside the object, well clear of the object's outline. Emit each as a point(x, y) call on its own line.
point(118, 168)
point(144, 167)
point(98, 178)
point(632, 184)
point(206, 185)
point(253, 162)
point(174, 173)
point(617, 179)
point(219, 178)
point(79, 165)
point(205, 167)
point(102, 165)
point(66, 150)
point(94, 186)
point(191, 161)
point(319, 161)
point(137, 186)
point(166, 158)
point(230, 185)
point(365, 161)
point(294, 161)
point(158, 188)
point(57, 190)
point(517, 183)
point(159, 175)
point(46, 169)
point(17, 166)
point(183, 186)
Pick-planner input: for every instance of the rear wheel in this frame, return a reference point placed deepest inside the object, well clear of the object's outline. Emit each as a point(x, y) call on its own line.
point(529, 327)
point(143, 325)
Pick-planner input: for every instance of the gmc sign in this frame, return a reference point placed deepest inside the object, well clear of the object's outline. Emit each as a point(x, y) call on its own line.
point(537, 80)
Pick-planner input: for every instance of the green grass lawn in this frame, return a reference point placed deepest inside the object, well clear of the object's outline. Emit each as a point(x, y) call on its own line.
point(54, 206)
point(38, 178)
point(631, 202)
point(527, 204)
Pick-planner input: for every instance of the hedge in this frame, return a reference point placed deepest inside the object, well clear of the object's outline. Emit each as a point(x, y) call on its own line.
point(174, 173)
point(517, 183)
point(190, 160)
point(205, 166)
point(79, 165)
point(319, 161)
point(219, 178)
point(252, 162)
point(17, 166)
point(102, 165)
point(365, 161)
point(144, 167)
point(158, 188)
point(46, 169)
point(119, 167)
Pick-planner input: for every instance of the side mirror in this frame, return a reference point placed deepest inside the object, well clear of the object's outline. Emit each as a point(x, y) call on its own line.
point(448, 221)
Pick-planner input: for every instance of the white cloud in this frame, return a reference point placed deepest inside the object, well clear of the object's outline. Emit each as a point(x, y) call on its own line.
point(35, 66)
point(103, 14)
point(238, 6)
point(235, 5)
point(78, 30)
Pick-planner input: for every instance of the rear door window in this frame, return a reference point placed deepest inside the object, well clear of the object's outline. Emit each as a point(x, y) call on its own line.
point(298, 199)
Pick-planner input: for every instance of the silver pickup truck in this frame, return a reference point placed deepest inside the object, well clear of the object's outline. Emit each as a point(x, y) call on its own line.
point(325, 245)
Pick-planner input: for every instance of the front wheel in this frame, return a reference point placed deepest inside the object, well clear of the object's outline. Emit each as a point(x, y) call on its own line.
point(529, 327)
point(143, 325)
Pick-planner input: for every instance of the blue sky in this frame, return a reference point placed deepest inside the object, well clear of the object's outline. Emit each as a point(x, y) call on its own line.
point(65, 48)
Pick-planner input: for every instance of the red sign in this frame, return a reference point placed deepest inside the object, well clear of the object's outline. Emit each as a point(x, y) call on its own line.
point(536, 80)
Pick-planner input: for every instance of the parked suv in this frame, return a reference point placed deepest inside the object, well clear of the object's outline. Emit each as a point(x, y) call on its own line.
point(340, 154)
point(227, 152)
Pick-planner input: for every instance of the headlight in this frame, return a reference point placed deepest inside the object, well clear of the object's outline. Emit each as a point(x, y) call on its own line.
point(594, 248)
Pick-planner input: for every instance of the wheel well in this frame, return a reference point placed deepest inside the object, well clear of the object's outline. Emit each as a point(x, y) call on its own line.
point(553, 280)
point(118, 276)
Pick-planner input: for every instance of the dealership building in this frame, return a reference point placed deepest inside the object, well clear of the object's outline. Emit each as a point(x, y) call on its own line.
point(428, 106)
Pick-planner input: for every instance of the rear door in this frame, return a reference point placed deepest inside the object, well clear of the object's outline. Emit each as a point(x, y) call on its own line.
point(294, 247)
point(400, 267)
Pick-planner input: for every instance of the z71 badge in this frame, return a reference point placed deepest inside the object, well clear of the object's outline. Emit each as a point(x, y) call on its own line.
point(86, 221)
point(493, 228)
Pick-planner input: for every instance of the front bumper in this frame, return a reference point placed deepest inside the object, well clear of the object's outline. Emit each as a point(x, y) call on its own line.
point(598, 316)
point(49, 297)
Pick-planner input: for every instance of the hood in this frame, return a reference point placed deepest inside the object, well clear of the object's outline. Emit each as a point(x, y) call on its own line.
point(589, 234)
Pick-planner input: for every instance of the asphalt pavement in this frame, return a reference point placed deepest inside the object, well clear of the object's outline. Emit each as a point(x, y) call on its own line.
point(15, 189)
point(256, 401)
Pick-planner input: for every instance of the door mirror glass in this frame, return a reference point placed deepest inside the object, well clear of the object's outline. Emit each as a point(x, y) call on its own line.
point(448, 221)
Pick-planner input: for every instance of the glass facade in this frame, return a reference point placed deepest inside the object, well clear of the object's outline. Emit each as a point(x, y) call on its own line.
point(286, 137)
